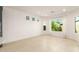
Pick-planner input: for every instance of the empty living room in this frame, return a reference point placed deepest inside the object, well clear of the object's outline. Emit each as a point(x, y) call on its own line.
point(39, 28)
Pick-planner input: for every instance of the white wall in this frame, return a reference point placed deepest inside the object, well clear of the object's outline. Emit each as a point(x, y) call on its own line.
point(45, 22)
point(70, 25)
point(15, 26)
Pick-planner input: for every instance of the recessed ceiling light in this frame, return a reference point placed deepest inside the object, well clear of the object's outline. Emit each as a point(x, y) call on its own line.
point(51, 11)
point(64, 10)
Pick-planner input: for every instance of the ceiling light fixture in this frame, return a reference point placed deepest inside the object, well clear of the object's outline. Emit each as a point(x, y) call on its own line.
point(51, 11)
point(64, 10)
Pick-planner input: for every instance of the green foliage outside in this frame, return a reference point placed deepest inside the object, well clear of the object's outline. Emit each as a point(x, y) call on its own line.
point(56, 26)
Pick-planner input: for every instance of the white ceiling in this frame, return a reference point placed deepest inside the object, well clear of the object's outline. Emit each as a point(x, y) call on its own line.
point(47, 11)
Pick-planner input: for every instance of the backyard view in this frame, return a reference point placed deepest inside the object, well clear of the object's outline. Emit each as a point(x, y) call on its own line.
point(56, 25)
point(77, 24)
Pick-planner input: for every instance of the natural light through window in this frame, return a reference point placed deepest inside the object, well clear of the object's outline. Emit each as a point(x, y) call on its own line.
point(77, 24)
point(57, 24)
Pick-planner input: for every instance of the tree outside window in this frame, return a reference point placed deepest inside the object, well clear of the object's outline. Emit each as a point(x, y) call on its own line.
point(56, 25)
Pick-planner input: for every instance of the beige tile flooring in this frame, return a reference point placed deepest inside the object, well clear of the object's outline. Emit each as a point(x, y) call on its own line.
point(44, 43)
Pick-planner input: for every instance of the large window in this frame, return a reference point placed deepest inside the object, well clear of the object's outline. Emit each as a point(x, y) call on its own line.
point(77, 24)
point(57, 25)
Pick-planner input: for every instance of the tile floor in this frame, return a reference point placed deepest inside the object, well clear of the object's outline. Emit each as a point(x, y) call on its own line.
point(44, 43)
